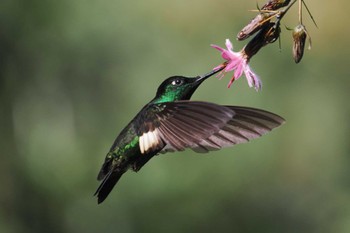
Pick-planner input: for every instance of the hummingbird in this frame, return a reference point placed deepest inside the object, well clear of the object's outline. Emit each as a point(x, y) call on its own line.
point(171, 122)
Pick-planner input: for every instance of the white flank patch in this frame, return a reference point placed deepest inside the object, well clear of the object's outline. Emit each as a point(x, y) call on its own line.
point(142, 148)
point(149, 141)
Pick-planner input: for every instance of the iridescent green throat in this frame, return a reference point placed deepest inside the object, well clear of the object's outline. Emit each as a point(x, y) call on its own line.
point(171, 94)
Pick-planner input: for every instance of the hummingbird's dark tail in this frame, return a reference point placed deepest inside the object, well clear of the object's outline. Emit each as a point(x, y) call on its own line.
point(110, 174)
point(107, 184)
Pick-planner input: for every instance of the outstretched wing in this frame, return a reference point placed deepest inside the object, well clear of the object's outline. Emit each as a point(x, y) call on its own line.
point(246, 124)
point(201, 126)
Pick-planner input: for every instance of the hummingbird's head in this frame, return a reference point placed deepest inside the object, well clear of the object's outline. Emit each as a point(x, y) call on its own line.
point(179, 87)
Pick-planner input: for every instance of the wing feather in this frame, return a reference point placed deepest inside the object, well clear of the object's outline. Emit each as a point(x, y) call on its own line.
point(202, 126)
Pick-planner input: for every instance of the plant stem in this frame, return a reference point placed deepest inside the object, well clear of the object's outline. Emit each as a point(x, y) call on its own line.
point(300, 12)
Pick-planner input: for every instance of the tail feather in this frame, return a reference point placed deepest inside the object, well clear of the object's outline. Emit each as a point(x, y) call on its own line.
point(112, 170)
point(107, 184)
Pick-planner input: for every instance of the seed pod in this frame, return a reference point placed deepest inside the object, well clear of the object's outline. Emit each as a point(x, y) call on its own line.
point(299, 37)
point(255, 25)
point(272, 5)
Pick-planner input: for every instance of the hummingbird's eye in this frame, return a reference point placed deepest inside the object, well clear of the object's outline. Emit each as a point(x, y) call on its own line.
point(176, 82)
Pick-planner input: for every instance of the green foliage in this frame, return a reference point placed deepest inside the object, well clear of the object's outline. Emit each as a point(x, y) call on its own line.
point(73, 73)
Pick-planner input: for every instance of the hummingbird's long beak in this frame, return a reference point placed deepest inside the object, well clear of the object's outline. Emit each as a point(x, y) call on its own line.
point(205, 76)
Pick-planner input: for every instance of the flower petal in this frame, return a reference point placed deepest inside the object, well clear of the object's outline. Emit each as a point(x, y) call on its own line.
point(230, 66)
point(229, 45)
point(230, 82)
point(226, 55)
point(239, 70)
point(218, 48)
point(252, 78)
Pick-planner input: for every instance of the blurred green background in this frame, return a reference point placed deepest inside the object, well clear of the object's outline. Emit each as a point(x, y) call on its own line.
point(73, 73)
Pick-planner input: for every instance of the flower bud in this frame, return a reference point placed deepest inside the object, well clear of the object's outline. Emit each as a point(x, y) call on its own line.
point(272, 5)
point(299, 37)
point(255, 25)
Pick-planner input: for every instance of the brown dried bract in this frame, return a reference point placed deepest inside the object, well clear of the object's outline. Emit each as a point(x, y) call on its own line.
point(275, 5)
point(255, 25)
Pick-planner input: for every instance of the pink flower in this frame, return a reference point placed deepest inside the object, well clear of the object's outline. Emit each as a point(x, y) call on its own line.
point(237, 61)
